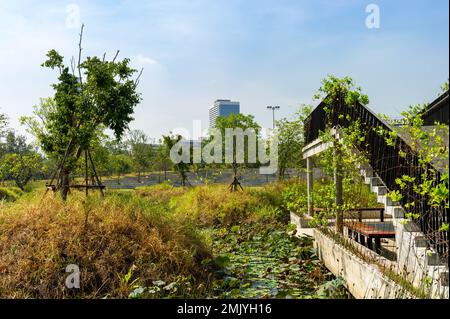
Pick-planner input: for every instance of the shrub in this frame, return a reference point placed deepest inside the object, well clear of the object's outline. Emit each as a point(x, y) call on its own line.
point(355, 195)
point(295, 198)
point(10, 193)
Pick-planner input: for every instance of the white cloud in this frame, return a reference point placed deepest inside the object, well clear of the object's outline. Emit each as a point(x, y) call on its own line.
point(146, 61)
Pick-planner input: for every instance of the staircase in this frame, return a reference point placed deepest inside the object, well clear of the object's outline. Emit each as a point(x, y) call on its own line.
point(422, 249)
point(416, 261)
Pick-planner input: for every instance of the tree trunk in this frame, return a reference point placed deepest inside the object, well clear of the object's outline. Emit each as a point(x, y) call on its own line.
point(64, 183)
point(338, 190)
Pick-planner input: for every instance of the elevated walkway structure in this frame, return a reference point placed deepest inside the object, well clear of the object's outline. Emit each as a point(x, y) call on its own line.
point(421, 244)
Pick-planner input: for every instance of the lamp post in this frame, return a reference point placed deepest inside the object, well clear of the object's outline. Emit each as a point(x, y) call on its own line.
point(273, 108)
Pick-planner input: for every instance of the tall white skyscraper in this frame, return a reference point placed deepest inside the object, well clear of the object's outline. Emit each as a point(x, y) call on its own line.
point(222, 108)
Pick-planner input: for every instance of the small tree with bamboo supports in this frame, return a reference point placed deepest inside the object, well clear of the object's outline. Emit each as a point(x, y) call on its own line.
point(90, 95)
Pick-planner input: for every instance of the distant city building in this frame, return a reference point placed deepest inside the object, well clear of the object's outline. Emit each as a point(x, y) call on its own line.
point(222, 108)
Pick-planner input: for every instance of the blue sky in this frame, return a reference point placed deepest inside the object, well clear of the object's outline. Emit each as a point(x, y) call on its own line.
point(259, 52)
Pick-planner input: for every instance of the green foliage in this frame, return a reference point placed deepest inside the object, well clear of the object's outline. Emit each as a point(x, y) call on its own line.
point(430, 146)
point(333, 289)
point(266, 262)
point(102, 95)
point(141, 151)
point(182, 167)
point(162, 161)
point(3, 124)
point(237, 121)
point(10, 193)
point(444, 87)
point(290, 141)
point(14, 143)
point(334, 87)
point(346, 155)
point(355, 195)
point(395, 195)
point(295, 198)
point(121, 164)
point(213, 205)
point(19, 168)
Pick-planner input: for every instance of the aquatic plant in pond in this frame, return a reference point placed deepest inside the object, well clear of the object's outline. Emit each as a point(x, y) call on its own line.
point(270, 263)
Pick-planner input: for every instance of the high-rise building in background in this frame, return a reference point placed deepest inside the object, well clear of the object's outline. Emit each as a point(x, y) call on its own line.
point(222, 108)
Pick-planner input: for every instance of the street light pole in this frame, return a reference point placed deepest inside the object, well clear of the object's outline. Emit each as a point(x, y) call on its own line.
point(273, 108)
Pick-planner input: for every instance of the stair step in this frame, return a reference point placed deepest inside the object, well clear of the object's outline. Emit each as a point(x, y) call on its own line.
point(390, 202)
point(411, 227)
point(395, 211)
point(387, 201)
point(367, 172)
point(380, 190)
point(420, 241)
point(398, 212)
point(433, 259)
point(375, 181)
point(444, 279)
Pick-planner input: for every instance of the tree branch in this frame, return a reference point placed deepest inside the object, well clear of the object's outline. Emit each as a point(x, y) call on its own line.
point(136, 82)
point(115, 57)
point(79, 55)
point(72, 65)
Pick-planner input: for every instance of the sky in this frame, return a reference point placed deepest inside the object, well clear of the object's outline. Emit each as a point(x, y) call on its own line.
point(258, 52)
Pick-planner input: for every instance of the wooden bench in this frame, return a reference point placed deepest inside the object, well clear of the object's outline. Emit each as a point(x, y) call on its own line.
point(366, 232)
point(357, 213)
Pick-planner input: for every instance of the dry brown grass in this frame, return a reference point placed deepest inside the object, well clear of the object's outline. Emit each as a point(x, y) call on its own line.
point(215, 205)
point(156, 231)
point(105, 238)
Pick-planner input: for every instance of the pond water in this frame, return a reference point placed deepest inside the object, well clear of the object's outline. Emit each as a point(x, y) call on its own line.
point(271, 265)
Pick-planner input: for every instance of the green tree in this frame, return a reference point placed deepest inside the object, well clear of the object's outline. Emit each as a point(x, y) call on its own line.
point(115, 146)
point(444, 87)
point(15, 144)
point(121, 164)
point(3, 124)
point(19, 168)
point(237, 121)
point(92, 95)
point(101, 156)
point(341, 159)
point(290, 141)
point(162, 162)
point(141, 151)
point(182, 167)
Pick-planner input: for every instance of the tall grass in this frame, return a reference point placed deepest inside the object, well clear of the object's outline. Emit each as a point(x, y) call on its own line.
point(127, 240)
point(105, 238)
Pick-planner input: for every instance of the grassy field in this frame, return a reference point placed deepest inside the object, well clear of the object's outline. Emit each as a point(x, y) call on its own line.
point(158, 242)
